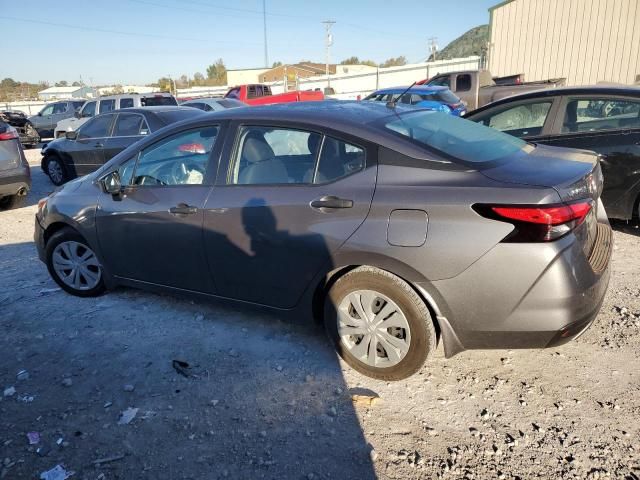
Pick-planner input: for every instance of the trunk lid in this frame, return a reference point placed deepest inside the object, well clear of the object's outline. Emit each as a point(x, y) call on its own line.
point(574, 174)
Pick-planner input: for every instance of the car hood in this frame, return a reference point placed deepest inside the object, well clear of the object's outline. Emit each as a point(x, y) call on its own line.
point(70, 124)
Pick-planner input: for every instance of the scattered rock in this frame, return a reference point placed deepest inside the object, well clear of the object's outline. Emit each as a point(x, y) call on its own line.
point(128, 388)
point(127, 416)
point(22, 375)
point(67, 382)
point(56, 473)
point(332, 412)
point(9, 392)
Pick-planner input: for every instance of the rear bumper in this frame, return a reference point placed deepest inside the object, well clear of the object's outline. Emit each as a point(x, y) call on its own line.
point(14, 180)
point(525, 295)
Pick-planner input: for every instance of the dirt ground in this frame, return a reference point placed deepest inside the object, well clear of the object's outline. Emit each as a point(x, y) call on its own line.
point(265, 399)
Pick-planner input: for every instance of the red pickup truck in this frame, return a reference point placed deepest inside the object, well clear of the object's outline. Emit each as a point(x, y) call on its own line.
point(257, 94)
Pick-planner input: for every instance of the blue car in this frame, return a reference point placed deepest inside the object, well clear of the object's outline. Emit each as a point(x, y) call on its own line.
point(440, 99)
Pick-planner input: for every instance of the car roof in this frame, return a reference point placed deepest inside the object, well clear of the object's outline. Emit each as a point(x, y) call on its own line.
point(130, 95)
point(414, 89)
point(155, 109)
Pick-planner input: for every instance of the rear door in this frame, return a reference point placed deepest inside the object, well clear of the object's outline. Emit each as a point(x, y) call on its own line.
point(288, 198)
point(608, 125)
point(127, 129)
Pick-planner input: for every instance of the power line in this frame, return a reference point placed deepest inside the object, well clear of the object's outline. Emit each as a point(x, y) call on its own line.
point(118, 32)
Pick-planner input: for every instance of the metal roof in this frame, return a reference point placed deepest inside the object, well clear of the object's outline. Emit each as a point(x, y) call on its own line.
point(62, 89)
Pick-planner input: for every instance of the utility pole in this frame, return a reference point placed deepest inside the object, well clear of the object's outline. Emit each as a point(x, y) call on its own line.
point(433, 47)
point(264, 23)
point(328, 42)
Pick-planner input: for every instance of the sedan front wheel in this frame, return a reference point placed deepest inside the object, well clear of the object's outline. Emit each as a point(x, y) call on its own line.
point(73, 264)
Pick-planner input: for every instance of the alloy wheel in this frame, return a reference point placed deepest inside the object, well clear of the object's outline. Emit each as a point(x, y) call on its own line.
point(76, 265)
point(373, 328)
point(54, 169)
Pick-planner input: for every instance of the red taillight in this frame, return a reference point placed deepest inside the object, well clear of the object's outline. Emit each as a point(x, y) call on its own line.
point(9, 134)
point(535, 223)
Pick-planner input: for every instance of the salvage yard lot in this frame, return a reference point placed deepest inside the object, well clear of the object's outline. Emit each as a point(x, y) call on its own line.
point(262, 398)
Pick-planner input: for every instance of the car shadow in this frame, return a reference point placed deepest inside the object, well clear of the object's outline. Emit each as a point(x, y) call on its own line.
point(630, 227)
point(254, 395)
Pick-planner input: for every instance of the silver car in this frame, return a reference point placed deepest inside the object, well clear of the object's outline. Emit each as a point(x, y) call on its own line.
point(396, 228)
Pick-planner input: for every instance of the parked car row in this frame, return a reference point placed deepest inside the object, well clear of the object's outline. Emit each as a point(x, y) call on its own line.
point(15, 175)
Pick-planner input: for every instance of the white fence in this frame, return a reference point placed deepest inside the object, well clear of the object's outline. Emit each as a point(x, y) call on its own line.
point(351, 85)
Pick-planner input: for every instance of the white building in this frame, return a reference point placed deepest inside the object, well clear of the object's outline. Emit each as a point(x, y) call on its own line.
point(61, 93)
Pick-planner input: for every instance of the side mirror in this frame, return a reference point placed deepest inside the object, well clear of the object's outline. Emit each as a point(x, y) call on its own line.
point(111, 183)
point(71, 135)
point(77, 114)
point(39, 114)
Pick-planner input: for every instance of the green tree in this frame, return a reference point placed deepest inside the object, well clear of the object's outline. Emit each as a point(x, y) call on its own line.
point(8, 83)
point(276, 64)
point(217, 73)
point(350, 61)
point(62, 83)
point(394, 62)
point(76, 84)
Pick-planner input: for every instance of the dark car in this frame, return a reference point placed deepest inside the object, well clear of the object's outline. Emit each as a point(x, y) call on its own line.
point(391, 224)
point(46, 119)
point(213, 104)
point(605, 119)
point(15, 175)
point(28, 135)
point(104, 136)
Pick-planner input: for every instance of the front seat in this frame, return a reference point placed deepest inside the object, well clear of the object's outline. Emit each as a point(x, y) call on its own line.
point(257, 163)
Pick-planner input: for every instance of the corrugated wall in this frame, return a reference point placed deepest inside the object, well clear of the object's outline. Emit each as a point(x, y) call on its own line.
point(585, 41)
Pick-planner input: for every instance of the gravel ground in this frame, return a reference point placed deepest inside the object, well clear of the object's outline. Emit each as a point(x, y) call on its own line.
point(264, 399)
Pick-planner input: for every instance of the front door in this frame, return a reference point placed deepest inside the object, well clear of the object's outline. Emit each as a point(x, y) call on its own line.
point(611, 127)
point(290, 199)
point(152, 231)
point(87, 150)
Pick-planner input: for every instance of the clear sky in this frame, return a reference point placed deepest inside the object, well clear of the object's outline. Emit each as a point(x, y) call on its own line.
point(138, 41)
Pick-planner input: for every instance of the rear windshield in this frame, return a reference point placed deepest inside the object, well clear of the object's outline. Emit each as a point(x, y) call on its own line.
point(446, 96)
point(158, 101)
point(455, 137)
point(171, 116)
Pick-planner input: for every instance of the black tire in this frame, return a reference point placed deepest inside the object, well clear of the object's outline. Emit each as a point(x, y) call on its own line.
point(422, 330)
point(50, 168)
point(12, 201)
point(66, 235)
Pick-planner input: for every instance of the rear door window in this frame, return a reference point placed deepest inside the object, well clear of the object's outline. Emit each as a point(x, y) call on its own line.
point(520, 120)
point(596, 114)
point(107, 105)
point(126, 102)
point(158, 101)
point(59, 108)
point(463, 83)
point(337, 160)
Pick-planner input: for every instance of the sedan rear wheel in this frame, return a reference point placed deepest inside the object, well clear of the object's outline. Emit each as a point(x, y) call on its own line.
point(73, 264)
point(379, 324)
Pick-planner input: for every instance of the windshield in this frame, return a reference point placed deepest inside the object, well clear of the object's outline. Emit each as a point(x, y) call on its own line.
point(158, 101)
point(455, 137)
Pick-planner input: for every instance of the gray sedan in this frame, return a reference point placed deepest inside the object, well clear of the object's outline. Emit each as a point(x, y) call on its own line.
point(213, 104)
point(396, 228)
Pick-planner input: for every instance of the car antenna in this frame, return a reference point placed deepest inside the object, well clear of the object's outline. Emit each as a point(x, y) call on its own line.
point(392, 103)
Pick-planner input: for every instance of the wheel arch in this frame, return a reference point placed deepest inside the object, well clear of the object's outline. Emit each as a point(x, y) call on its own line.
point(424, 289)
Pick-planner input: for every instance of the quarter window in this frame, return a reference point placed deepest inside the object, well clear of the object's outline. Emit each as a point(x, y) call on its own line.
point(107, 105)
point(267, 155)
point(520, 121)
point(181, 159)
point(588, 115)
point(97, 127)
